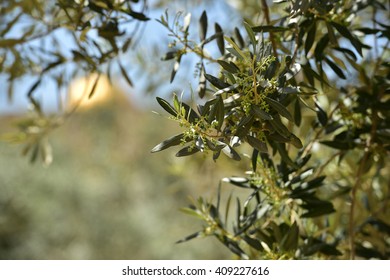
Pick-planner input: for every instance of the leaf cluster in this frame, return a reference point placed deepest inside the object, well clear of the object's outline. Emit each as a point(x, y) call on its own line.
point(96, 34)
point(267, 81)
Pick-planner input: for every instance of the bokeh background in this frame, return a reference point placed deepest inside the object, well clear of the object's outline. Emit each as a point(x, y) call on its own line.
point(105, 196)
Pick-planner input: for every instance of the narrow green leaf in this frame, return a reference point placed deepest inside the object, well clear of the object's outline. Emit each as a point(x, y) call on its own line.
point(167, 107)
point(311, 74)
point(238, 212)
point(335, 68)
point(241, 182)
point(193, 212)
point(236, 48)
point(347, 34)
point(216, 82)
point(297, 112)
point(280, 128)
point(290, 240)
point(186, 22)
point(34, 87)
point(320, 47)
point(203, 26)
point(190, 113)
point(229, 66)
point(340, 145)
point(346, 52)
point(307, 187)
point(227, 209)
point(175, 68)
point(217, 146)
point(282, 110)
point(254, 243)
point(238, 36)
point(235, 53)
point(220, 112)
point(35, 153)
point(169, 55)
point(172, 141)
point(251, 36)
point(295, 141)
point(92, 92)
point(127, 44)
point(255, 155)
point(257, 144)
point(317, 208)
point(220, 39)
point(268, 28)
point(321, 115)
point(139, 16)
point(231, 153)
point(124, 74)
point(187, 151)
point(284, 155)
point(192, 236)
point(202, 82)
point(311, 35)
point(292, 71)
point(260, 113)
point(176, 103)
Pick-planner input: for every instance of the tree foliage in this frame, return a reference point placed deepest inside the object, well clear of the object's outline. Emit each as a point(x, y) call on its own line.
point(57, 41)
point(279, 91)
point(301, 93)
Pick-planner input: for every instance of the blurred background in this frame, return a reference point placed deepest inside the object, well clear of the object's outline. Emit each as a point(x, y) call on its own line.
point(105, 196)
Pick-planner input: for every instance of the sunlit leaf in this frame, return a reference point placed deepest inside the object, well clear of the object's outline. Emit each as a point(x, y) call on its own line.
point(172, 141)
point(202, 82)
point(238, 52)
point(231, 153)
point(168, 107)
point(251, 36)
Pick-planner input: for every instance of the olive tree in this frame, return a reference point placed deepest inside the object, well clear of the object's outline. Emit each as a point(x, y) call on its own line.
point(299, 91)
point(307, 90)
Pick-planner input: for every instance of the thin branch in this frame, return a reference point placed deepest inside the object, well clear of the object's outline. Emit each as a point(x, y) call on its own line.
point(358, 182)
point(265, 9)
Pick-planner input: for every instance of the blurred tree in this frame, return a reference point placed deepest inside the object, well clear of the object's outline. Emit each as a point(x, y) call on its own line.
point(304, 83)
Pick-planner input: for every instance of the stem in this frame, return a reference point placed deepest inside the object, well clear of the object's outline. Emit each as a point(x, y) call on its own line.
point(359, 177)
point(265, 9)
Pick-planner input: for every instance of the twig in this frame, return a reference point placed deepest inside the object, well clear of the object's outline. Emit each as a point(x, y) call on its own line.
point(359, 177)
point(265, 9)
